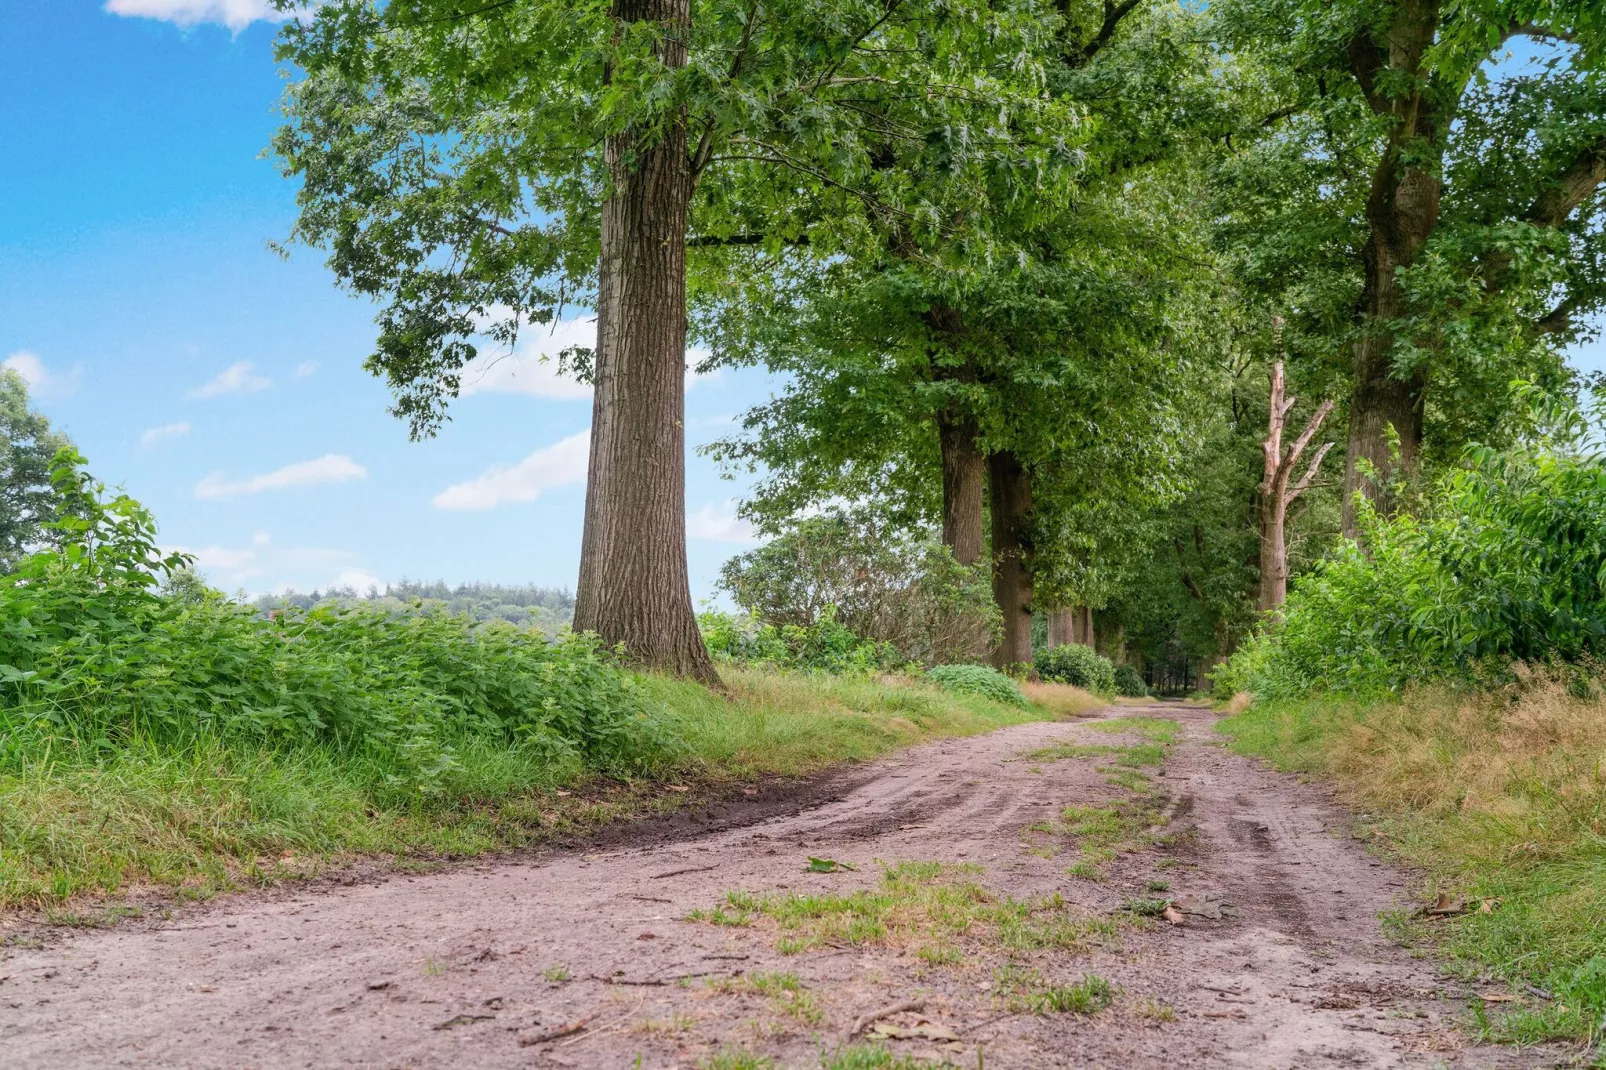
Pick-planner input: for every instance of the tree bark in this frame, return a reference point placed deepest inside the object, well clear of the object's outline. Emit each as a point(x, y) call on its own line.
point(1011, 500)
point(633, 587)
point(1275, 492)
point(963, 465)
point(1061, 626)
point(963, 471)
point(1402, 211)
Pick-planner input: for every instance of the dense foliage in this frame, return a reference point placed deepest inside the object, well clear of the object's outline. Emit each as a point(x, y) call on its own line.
point(1077, 664)
point(872, 578)
point(1507, 562)
point(1129, 683)
point(91, 649)
point(28, 502)
point(823, 645)
point(977, 680)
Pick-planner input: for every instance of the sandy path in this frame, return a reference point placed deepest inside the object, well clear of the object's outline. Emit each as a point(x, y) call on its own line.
point(455, 969)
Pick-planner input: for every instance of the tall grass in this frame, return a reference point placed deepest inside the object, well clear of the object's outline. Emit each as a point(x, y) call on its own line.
point(1502, 797)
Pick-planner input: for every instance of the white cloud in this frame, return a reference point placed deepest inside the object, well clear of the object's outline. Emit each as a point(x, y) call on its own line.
point(720, 524)
point(330, 468)
point(560, 464)
point(235, 379)
point(305, 368)
point(235, 14)
point(532, 367)
point(359, 579)
point(265, 566)
point(42, 382)
point(156, 434)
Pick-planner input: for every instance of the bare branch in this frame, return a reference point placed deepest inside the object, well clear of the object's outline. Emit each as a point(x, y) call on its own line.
point(1310, 473)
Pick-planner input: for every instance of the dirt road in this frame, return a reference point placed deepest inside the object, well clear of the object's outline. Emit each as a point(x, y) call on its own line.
point(497, 965)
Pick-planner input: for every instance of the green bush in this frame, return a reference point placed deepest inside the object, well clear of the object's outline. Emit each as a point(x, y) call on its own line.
point(1129, 683)
point(91, 650)
point(977, 680)
point(875, 580)
point(824, 646)
point(1506, 563)
point(1079, 665)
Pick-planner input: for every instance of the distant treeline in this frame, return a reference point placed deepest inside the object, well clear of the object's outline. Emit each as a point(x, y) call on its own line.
point(546, 607)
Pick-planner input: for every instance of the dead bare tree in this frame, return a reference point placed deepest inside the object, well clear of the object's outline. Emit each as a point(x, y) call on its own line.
point(1275, 493)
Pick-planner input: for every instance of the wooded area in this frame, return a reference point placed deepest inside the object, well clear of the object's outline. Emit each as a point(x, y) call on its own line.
point(1024, 272)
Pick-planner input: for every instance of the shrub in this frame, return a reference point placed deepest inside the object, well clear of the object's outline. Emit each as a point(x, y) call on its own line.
point(90, 648)
point(977, 680)
point(1076, 664)
point(1505, 563)
point(1129, 683)
point(823, 646)
point(884, 585)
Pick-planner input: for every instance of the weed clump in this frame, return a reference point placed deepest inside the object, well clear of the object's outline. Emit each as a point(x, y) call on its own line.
point(977, 680)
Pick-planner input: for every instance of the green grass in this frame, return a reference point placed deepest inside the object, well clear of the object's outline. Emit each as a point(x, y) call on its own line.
point(1502, 799)
point(937, 909)
point(203, 814)
point(1103, 831)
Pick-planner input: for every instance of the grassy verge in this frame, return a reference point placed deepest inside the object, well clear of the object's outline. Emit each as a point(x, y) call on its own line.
point(80, 817)
point(1502, 798)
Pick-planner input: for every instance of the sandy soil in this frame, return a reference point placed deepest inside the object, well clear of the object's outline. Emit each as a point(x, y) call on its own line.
point(474, 967)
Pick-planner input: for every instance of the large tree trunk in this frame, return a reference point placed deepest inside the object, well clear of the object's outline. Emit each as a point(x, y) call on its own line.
point(1402, 211)
point(1011, 500)
point(963, 472)
point(1380, 402)
point(633, 585)
point(963, 466)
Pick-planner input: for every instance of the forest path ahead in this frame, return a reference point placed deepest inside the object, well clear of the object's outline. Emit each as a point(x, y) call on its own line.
point(473, 967)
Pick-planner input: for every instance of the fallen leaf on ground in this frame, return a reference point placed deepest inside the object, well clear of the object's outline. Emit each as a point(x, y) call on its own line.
point(1486, 906)
point(1497, 997)
point(827, 865)
point(676, 787)
point(1444, 906)
point(564, 794)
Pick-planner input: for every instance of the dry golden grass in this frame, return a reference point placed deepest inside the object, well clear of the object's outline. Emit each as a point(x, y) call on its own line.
point(1062, 699)
point(1238, 703)
point(1519, 771)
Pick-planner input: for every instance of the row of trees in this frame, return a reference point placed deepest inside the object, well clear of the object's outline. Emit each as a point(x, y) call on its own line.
point(1017, 264)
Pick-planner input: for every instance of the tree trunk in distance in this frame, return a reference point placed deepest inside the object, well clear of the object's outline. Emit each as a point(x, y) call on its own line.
point(633, 586)
point(963, 471)
point(1275, 493)
point(1061, 626)
point(1011, 499)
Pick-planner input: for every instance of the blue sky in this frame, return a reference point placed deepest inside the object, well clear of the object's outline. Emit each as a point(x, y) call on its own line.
point(222, 385)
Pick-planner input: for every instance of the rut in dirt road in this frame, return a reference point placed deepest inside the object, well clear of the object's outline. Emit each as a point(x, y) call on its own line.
point(1034, 944)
